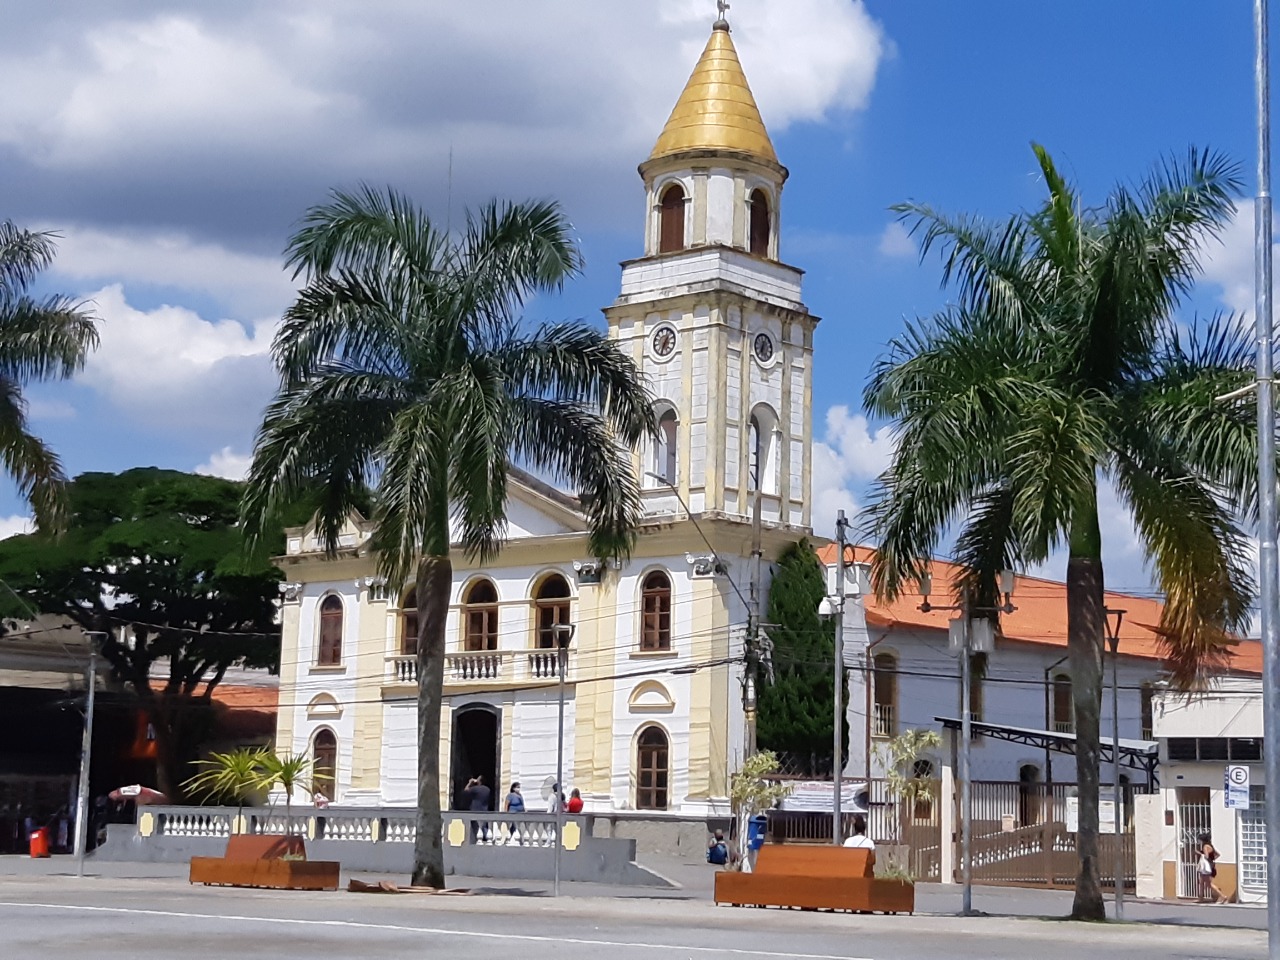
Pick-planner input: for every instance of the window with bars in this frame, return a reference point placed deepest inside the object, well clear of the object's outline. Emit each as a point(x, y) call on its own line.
point(1064, 710)
point(652, 769)
point(655, 629)
point(1253, 841)
point(330, 652)
point(1145, 693)
point(481, 617)
point(1215, 749)
point(885, 695)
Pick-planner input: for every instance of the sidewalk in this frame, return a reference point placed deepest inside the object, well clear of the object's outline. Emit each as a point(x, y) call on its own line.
point(695, 882)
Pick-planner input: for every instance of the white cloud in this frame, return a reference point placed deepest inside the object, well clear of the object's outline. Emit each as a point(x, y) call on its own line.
point(47, 408)
point(228, 464)
point(896, 242)
point(850, 453)
point(234, 111)
point(12, 526)
point(171, 367)
point(245, 283)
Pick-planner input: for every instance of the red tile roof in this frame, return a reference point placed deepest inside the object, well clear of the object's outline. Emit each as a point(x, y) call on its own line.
point(1041, 614)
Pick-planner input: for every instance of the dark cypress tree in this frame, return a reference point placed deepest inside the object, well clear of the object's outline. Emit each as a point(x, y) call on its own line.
point(794, 711)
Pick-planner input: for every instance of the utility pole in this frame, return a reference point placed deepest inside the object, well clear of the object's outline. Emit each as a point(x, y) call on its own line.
point(86, 752)
point(1267, 473)
point(752, 652)
point(563, 632)
point(966, 738)
point(837, 736)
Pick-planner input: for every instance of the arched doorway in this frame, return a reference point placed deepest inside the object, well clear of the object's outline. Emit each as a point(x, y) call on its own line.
point(476, 751)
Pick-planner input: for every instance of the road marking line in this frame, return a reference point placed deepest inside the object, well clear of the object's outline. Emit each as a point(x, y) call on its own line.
point(477, 934)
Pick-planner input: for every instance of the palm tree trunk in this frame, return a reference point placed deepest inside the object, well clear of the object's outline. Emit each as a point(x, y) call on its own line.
point(1086, 623)
point(435, 582)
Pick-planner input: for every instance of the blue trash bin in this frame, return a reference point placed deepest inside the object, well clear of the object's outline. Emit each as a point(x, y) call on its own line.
point(756, 828)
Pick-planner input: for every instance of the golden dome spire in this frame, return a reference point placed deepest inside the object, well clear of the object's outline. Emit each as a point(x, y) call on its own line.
point(716, 111)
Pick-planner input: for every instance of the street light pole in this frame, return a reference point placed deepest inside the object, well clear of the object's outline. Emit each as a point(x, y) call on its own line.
point(966, 611)
point(837, 736)
point(1113, 641)
point(1267, 473)
point(86, 753)
point(563, 632)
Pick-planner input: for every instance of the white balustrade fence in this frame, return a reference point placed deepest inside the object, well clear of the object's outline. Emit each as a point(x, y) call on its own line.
point(485, 666)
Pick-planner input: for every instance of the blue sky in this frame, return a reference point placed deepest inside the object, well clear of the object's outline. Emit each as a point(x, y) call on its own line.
point(174, 147)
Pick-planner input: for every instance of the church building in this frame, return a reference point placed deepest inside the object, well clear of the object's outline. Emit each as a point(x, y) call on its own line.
point(654, 715)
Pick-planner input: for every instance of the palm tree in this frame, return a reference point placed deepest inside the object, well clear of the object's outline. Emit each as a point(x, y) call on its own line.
point(40, 339)
point(404, 371)
point(1060, 367)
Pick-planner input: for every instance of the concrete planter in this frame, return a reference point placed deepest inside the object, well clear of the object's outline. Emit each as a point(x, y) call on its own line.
point(260, 861)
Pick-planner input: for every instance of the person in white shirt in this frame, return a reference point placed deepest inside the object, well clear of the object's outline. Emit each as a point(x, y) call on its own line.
point(860, 840)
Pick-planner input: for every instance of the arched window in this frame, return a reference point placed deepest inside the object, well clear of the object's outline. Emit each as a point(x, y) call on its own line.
point(1145, 693)
point(481, 617)
point(652, 772)
point(330, 653)
point(665, 452)
point(671, 220)
point(552, 603)
point(762, 435)
point(655, 628)
point(1030, 794)
point(1064, 719)
point(885, 693)
point(409, 623)
point(324, 763)
point(760, 223)
point(923, 774)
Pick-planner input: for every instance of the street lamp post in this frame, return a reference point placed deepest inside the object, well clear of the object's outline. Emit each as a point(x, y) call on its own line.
point(86, 754)
point(563, 633)
point(1113, 641)
point(837, 733)
point(966, 720)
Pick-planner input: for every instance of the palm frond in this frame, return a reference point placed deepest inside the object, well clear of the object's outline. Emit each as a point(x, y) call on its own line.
point(572, 441)
point(576, 363)
point(23, 254)
point(36, 470)
point(44, 339)
point(1200, 556)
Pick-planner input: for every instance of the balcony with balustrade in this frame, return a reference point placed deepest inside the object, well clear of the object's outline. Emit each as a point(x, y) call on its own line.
point(471, 670)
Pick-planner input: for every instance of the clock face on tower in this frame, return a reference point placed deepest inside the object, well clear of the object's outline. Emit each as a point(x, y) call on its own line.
point(763, 347)
point(664, 342)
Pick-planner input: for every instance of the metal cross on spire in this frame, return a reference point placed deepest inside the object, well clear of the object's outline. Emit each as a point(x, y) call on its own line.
point(723, 7)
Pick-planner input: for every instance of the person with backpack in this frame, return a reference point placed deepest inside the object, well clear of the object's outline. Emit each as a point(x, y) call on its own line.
point(718, 850)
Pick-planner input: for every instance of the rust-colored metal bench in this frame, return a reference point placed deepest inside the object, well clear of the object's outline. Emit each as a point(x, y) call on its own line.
point(815, 878)
point(259, 861)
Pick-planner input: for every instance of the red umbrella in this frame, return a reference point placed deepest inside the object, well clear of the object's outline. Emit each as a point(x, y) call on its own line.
point(138, 794)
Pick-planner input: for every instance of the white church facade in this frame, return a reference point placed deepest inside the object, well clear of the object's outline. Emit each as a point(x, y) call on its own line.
point(654, 715)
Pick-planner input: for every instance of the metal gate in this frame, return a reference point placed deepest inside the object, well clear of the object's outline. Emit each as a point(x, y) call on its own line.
point(1193, 820)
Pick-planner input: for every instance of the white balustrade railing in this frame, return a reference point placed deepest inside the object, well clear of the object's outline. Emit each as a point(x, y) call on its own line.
point(484, 666)
point(353, 825)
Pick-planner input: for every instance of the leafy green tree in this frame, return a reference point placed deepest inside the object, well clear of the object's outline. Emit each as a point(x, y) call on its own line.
point(161, 554)
point(40, 339)
point(404, 370)
point(1061, 367)
point(794, 706)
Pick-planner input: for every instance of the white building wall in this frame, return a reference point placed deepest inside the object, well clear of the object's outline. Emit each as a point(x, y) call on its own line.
point(1013, 694)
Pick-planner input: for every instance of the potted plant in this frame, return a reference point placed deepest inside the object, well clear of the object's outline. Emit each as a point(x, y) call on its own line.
point(230, 777)
point(751, 792)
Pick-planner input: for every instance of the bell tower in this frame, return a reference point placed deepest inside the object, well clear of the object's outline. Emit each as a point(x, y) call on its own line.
point(712, 315)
